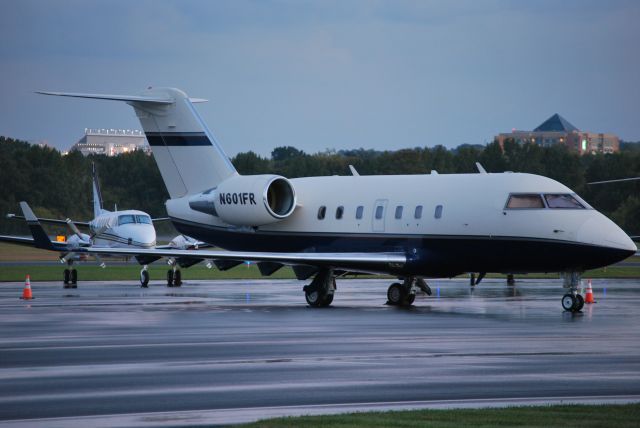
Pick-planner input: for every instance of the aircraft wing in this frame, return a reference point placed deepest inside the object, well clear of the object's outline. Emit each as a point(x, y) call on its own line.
point(348, 261)
point(160, 219)
point(47, 244)
point(50, 220)
point(364, 262)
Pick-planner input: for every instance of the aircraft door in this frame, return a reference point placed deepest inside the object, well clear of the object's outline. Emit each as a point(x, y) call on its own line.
point(379, 213)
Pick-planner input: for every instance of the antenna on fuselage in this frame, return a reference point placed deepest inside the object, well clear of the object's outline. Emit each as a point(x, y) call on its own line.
point(481, 169)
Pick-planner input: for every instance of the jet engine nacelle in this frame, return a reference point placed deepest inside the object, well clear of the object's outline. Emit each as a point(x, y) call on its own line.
point(248, 200)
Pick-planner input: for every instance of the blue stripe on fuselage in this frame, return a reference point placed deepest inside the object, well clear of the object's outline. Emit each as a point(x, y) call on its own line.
point(177, 139)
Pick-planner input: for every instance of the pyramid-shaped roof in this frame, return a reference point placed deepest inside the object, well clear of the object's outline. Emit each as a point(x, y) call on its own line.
point(556, 123)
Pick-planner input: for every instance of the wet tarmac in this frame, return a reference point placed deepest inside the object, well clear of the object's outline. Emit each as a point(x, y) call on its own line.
point(216, 352)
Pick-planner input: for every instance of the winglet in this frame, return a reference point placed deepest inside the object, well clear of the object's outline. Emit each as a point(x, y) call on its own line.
point(481, 169)
point(353, 171)
point(40, 238)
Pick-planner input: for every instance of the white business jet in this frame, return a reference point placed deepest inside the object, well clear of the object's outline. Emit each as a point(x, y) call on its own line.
point(409, 226)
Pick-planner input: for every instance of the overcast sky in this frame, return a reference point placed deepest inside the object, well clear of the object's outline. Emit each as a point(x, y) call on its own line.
point(325, 74)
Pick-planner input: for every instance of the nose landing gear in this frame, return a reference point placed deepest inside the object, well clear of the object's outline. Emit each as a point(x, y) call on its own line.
point(144, 277)
point(572, 301)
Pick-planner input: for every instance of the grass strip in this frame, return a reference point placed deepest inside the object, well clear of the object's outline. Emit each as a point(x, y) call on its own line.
point(624, 415)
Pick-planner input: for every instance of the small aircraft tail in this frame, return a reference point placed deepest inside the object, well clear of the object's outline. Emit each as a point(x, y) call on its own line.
point(40, 238)
point(188, 156)
point(97, 195)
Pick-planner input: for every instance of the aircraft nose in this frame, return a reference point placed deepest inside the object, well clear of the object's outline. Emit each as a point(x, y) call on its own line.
point(145, 235)
point(601, 231)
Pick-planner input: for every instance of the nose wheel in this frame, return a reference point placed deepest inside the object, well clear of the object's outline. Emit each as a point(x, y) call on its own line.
point(144, 277)
point(571, 303)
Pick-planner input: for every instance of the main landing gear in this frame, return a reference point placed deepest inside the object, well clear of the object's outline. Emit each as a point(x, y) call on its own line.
point(144, 277)
point(572, 301)
point(174, 277)
point(405, 294)
point(320, 292)
point(70, 278)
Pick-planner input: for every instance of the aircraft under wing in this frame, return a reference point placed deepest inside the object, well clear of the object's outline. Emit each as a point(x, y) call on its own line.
point(365, 262)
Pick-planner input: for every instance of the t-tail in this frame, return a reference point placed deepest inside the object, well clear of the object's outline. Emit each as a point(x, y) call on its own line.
point(97, 195)
point(188, 156)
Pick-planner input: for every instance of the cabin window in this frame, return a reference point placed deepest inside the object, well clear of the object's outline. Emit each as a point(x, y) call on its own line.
point(379, 212)
point(321, 212)
point(563, 201)
point(438, 212)
point(359, 212)
point(418, 212)
point(143, 219)
point(398, 212)
point(525, 201)
point(339, 212)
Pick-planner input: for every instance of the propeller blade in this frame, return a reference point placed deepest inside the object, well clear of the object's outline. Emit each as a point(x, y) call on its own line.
point(74, 228)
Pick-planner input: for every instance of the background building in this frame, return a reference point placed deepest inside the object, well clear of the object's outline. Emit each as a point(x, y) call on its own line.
point(557, 130)
point(111, 142)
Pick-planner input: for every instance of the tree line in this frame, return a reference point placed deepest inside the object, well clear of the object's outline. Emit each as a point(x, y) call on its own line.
point(59, 186)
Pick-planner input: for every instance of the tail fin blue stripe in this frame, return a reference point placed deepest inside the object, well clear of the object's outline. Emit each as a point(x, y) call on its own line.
point(177, 139)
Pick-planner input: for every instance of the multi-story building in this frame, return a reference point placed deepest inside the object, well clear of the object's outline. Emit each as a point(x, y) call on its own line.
point(111, 142)
point(557, 130)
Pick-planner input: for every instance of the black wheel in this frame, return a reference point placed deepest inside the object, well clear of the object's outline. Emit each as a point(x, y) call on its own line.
point(144, 278)
point(313, 298)
point(326, 301)
point(579, 303)
point(408, 301)
point(568, 302)
point(66, 277)
point(177, 278)
point(170, 278)
point(74, 278)
point(395, 294)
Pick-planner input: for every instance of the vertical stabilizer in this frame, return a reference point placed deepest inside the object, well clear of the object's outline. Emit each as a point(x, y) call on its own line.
point(97, 195)
point(188, 156)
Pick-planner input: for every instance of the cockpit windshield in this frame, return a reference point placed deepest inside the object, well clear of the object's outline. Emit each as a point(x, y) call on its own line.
point(524, 201)
point(547, 200)
point(563, 201)
point(143, 219)
point(126, 219)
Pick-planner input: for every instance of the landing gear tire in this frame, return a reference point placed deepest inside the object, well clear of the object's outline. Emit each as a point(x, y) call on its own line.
point(579, 303)
point(569, 302)
point(66, 278)
point(170, 278)
point(398, 295)
point(317, 300)
point(74, 278)
point(144, 279)
point(177, 278)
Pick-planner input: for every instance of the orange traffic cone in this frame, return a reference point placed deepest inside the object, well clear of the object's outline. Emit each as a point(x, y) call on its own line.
point(589, 297)
point(26, 293)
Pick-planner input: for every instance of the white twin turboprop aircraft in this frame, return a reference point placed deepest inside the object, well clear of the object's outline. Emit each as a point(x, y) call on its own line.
point(409, 226)
point(108, 230)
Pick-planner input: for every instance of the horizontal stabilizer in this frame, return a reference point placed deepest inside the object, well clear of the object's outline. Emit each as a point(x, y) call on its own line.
point(110, 97)
point(131, 98)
